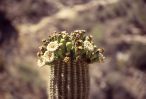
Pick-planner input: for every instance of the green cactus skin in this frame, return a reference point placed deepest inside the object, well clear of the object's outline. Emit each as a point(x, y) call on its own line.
point(69, 80)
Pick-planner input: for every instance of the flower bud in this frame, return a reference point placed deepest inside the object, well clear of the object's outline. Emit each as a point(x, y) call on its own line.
point(62, 41)
point(69, 45)
point(60, 44)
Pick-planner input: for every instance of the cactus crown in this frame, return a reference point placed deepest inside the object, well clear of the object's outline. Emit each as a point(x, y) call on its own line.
point(63, 46)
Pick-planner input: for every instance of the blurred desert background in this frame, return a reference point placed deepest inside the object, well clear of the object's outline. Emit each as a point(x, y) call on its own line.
point(118, 26)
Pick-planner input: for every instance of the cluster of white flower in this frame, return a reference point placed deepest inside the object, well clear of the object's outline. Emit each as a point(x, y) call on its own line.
point(88, 45)
point(75, 46)
point(48, 56)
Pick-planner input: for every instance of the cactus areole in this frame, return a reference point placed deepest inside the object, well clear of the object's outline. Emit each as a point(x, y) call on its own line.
point(68, 56)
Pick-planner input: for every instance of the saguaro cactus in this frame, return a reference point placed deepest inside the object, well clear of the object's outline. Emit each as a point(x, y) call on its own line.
point(68, 57)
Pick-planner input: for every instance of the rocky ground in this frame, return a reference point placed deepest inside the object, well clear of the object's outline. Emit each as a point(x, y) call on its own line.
point(119, 26)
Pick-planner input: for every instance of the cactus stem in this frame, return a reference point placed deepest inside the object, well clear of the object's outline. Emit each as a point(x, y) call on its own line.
point(69, 80)
point(63, 80)
point(80, 80)
point(75, 79)
point(86, 80)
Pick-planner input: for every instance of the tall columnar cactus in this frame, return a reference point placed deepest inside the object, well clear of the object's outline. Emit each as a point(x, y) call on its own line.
point(68, 57)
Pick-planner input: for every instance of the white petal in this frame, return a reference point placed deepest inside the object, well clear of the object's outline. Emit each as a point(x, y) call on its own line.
point(48, 56)
point(52, 46)
point(89, 46)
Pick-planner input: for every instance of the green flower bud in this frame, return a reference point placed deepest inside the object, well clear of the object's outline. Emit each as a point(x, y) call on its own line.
point(69, 46)
point(60, 44)
point(62, 41)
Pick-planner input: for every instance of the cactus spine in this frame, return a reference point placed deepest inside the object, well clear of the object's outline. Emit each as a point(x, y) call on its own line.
point(68, 57)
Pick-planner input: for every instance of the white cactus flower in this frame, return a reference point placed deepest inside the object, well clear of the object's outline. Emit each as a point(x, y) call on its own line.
point(52, 46)
point(49, 56)
point(41, 62)
point(88, 45)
